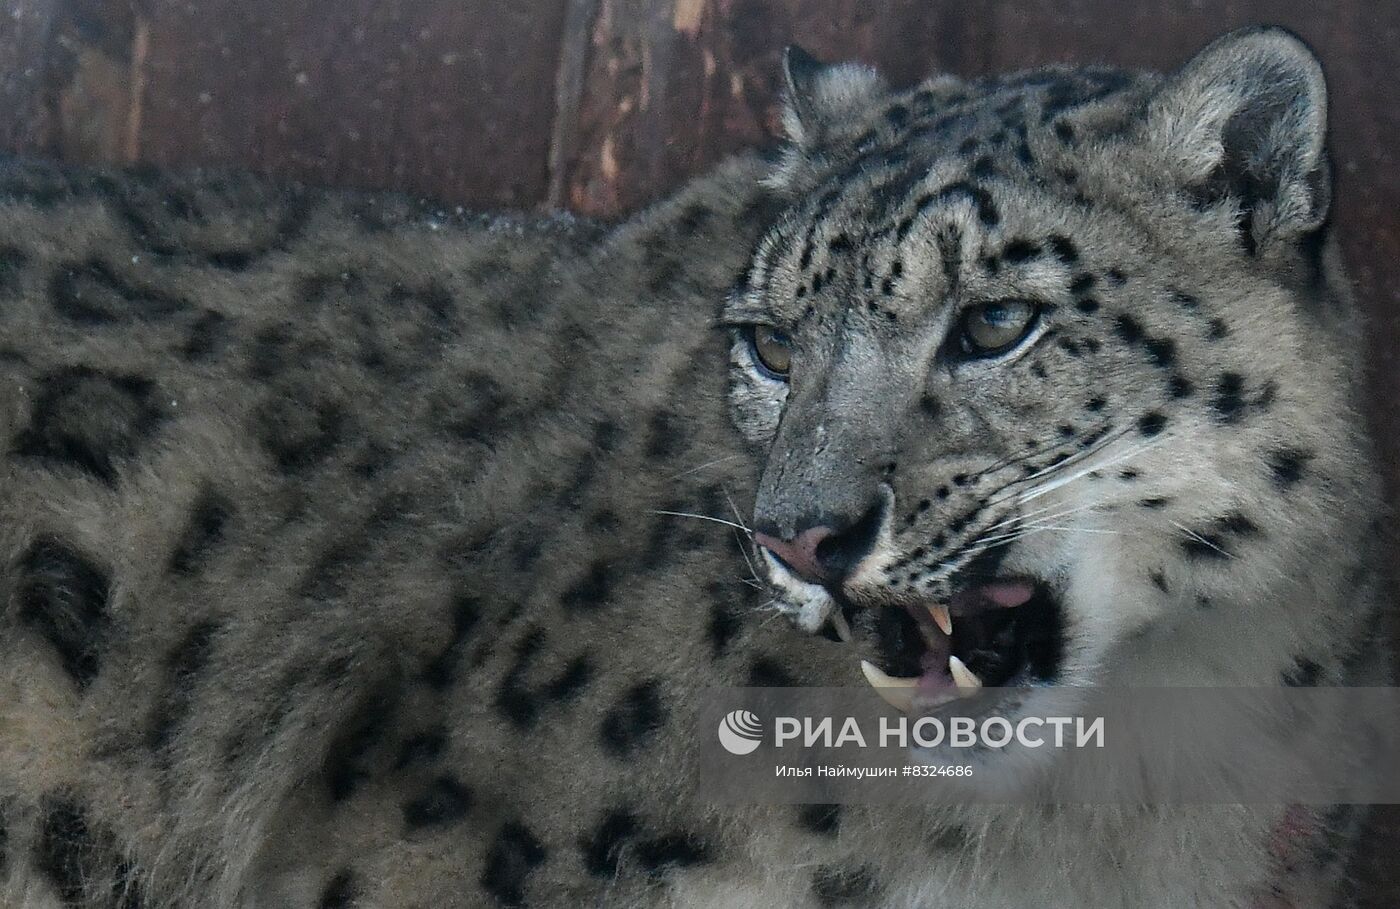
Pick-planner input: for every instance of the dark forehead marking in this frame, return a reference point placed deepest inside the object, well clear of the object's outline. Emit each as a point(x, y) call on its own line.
point(762, 259)
point(987, 211)
point(959, 116)
point(950, 125)
point(924, 125)
point(949, 250)
point(890, 196)
point(825, 203)
point(995, 103)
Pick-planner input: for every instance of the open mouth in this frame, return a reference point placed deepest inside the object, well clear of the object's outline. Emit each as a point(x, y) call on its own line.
point(1006, 632)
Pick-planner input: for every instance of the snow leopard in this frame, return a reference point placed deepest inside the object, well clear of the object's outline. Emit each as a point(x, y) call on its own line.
point(360, 551)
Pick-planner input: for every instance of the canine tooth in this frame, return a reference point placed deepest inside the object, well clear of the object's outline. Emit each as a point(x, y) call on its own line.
point(898, 693)
point(965, 678)
point(843, 628)
point(942, 619)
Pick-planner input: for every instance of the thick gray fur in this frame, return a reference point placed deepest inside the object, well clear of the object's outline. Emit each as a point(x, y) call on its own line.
point(340, 561)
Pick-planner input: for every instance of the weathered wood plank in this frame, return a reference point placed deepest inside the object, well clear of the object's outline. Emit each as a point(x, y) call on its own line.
point(568, 96)
point(26, 121)
point(441, 97)
point(673, 85)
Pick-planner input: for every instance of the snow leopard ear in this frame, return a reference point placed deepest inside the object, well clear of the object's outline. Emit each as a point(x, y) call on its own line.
point(1246, 121)
point(819, 95)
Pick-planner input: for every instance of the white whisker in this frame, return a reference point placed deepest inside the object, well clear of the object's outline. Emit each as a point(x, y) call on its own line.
point(777, 614)
point(1017, 517)
point(705, 466)
point(1202, 540)
point(1099, 530)
point(1011, 538)
point(1060, 482)
point(704, 517)
point(1078, 456)
point(743, 550)
point(1016, 532)
point(1025, 520)
point(1015, 535)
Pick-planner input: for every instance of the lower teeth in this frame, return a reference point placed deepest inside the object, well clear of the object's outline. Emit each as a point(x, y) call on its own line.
point(899, 692)
point(965, 678)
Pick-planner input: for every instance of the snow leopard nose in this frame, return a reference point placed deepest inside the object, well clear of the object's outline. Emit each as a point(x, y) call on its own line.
point(800, 554)
point(822, 554)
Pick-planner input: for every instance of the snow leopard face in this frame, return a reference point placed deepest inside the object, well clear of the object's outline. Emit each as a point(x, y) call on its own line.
point(1042, 365)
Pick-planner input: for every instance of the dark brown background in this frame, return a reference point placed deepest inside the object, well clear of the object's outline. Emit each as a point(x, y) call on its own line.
point(600, 106)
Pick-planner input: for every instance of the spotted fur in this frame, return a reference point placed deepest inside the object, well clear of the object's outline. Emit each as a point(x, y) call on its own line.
point(343, 557)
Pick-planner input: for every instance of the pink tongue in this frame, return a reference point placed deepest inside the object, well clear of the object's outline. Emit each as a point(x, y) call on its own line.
point(935, 678)
point(1008, 595)
point(1003, 594)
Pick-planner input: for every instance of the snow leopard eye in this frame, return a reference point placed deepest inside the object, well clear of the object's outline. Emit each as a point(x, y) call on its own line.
point(992, 328)
point(772, 350)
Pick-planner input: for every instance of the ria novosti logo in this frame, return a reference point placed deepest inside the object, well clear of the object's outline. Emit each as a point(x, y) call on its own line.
point(740, 732)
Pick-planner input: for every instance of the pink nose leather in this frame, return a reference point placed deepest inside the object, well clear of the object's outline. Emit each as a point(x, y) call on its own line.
point(800, 553)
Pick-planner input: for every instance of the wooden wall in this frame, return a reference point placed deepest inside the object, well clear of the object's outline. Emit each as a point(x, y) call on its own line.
point(600, 106)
